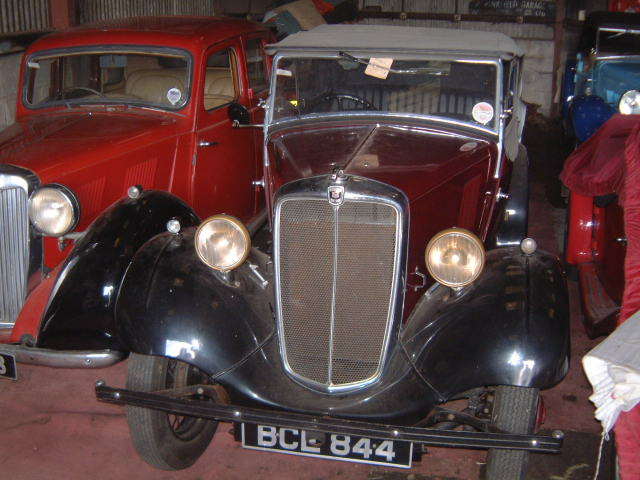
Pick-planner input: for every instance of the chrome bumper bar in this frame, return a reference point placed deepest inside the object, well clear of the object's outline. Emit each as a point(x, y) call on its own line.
point(63, 358)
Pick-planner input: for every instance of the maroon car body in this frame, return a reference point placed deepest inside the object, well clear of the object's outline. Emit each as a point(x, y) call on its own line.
point(426, 162)
point(391, 273)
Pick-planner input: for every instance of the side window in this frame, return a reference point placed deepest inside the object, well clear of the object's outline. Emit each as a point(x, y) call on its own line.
point(219, 81)
point(256, 65)
point(508, 83)
point(513, 78)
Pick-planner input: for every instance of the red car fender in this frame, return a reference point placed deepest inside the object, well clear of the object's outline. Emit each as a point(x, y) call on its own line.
point(580, 229)
point(28, 322)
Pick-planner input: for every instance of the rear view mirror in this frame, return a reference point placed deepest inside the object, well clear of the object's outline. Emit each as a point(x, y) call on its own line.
point(238, 114)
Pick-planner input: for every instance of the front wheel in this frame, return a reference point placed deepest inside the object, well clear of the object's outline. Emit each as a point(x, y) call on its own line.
point(515, 410)
point(166, 441)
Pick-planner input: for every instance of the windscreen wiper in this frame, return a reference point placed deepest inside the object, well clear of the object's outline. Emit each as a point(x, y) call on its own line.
point(408, 71)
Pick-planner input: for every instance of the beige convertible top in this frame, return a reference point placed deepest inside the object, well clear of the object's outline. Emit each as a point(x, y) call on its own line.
point(402, 39)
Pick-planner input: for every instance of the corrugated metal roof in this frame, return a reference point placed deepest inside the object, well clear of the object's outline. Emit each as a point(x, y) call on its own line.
point(384, 37)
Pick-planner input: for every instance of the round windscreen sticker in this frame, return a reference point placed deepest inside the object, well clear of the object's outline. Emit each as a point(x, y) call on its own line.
point(482, 112)
point(174, 95)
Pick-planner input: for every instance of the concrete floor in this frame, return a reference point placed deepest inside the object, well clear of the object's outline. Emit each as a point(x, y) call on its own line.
point(51, 426)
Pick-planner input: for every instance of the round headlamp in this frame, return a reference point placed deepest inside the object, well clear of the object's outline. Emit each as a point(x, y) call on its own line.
point(630, 103)
point(222, 242)
point(455, 257)
point(54, 210)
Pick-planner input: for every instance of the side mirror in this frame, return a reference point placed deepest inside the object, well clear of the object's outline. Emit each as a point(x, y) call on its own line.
point(238, 114)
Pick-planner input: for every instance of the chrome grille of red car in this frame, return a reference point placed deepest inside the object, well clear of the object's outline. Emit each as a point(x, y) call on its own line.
point(14, 252)
point(336, 280)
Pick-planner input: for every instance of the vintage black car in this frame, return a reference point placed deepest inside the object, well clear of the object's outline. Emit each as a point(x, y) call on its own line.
point(389, 274)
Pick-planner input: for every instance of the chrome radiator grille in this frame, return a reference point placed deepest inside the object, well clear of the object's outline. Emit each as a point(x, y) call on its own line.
point(14, 252)
point(337, 267)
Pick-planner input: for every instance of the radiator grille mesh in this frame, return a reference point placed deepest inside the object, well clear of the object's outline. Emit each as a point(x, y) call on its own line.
point(14, 252)
point(336, 283)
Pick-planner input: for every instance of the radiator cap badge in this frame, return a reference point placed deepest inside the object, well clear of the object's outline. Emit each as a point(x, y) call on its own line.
point(336, 194)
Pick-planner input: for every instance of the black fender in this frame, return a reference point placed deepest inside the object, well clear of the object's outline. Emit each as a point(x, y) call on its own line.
point(511, 327)
point(172, 304)
point(80, 313)
point(514, 212)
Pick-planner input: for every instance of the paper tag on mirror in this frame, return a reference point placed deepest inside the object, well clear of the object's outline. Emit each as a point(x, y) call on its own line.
point(378, 67)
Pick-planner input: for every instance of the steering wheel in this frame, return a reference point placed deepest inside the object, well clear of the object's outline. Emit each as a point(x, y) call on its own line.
point(341, 98)
point(71, 89)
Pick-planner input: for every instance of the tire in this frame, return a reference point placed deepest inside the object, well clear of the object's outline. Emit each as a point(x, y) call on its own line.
point(514, 410)
point(165, 441)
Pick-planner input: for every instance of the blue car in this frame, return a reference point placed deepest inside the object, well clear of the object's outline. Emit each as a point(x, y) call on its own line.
point(604, 77)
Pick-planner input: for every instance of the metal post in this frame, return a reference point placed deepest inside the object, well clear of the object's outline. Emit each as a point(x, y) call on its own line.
point(558, 45)
point(62, 13)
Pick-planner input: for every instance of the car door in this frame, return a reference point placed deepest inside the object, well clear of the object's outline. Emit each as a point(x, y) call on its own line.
point(257, 78)
point(224, 160)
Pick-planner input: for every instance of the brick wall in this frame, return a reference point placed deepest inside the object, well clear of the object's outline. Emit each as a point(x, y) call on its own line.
point(9, 69)
point(537, 72)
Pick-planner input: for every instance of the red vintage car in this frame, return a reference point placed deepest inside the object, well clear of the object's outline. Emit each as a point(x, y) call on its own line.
point(109, 111)
point(596, 240)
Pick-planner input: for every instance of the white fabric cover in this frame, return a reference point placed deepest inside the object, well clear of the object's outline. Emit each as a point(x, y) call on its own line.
point(405, 39)
point(613, 368)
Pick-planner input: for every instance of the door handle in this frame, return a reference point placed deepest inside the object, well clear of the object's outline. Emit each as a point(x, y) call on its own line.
point(204, 143)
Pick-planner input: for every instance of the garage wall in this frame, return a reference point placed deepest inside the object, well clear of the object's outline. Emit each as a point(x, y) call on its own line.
point(95, 10)
point(22, 16)
point(9, 66)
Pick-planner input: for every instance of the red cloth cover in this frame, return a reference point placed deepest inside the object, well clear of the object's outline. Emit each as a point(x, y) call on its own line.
point(609, 162)
point(628, 424)
point(323, 7)
point(624, 5)
point(596, 166)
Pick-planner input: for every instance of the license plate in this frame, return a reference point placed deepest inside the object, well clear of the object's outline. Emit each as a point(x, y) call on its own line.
point(349, 448)
point(8, 366)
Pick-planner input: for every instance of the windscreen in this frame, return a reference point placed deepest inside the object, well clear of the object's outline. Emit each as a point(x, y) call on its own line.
point(139, 78)
point(612, 78)
point(616, 41)
point(459, 90)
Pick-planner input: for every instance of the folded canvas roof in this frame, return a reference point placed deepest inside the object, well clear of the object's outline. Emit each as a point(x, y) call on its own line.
point(402, 39)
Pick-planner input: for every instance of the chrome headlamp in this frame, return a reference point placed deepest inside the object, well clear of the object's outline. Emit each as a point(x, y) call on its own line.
point(455, 257)
point(222, 242)
point(630, 103)
point(54, 210)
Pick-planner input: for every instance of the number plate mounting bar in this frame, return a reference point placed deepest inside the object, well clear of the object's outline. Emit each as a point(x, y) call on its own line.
point(167, 402)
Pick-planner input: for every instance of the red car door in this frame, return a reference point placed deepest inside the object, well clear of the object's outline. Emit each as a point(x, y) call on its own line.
point(225, 157)
point(610, 249)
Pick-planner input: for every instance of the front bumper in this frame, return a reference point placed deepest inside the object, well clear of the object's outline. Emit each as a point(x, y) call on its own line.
point(170, 401)
point(63, 358)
